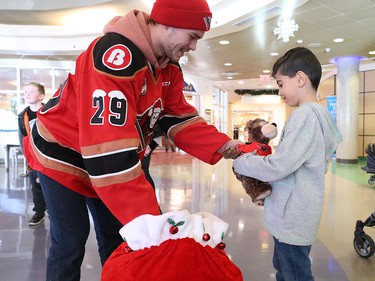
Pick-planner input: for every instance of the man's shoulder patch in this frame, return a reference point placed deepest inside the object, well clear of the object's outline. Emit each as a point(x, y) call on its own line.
point(117, 55)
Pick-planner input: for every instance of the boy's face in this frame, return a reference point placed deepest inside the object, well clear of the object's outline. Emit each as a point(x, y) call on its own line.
point(288, 89)
point(32, 95)
point(178, 41)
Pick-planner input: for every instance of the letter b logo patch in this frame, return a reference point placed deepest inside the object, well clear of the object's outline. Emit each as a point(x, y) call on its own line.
point(117, 57)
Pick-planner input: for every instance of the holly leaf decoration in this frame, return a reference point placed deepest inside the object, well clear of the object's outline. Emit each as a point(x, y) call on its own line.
point(171, 222)
point(180, 223)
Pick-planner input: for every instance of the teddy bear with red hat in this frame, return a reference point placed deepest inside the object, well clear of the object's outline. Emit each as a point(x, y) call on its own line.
point(260, 132)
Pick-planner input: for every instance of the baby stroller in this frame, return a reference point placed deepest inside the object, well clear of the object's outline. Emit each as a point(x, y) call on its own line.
point(363, 244)
point(370, 166)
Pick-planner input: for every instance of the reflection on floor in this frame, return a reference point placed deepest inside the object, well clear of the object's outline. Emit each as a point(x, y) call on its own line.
point(186, 183)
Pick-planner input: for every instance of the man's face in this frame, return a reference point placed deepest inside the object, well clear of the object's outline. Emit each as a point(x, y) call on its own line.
point(179, 41)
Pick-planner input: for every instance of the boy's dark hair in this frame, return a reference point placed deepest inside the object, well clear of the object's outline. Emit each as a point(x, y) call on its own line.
point(299, 59)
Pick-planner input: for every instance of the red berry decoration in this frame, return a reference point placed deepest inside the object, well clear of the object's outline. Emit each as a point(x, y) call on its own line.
point(173, 230)
point(221, 245)
point(206, 237)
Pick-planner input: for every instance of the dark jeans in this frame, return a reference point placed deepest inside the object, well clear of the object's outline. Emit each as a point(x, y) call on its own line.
point(70, 227)
point(38, 198)
point(291, 262)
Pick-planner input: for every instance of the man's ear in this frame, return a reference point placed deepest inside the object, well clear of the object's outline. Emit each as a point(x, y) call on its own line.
point(301, 78)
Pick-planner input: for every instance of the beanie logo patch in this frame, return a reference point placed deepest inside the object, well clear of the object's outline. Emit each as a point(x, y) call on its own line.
point(117, 57)
point(207, 22)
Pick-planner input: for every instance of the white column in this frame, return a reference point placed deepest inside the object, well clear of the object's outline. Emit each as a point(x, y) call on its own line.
point(347, 108)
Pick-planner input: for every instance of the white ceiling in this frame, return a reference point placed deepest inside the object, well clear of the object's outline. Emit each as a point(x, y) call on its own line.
point(34, 29)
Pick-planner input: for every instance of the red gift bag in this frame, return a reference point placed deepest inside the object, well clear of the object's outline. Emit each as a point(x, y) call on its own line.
point(172, 246)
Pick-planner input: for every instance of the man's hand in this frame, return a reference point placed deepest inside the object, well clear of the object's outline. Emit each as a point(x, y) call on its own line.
point(254, 147)
point(239, 149)
point(227, 146)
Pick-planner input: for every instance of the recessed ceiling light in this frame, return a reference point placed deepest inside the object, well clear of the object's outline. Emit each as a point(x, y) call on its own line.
point(338, 40)
point(274, 54)
point(227, 64)
point(371, 53)
point(266, 71)
point(299, 41)
point(314, 45)
point(224, 42)
point(241, 82)
point(229, 77)
point(229, 73)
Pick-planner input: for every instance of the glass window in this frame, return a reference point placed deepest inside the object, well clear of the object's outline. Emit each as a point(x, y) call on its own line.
point(60, 77)
point(8, 90)
point(8, 79)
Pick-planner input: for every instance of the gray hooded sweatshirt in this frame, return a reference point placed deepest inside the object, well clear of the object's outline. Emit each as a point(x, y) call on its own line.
point(296, 172)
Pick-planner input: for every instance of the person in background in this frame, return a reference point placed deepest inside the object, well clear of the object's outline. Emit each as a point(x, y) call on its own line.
point(34, 95)
point(168, 144)
point(297, 169)
point(147, 156)
point(91, 135)
point(235, 132)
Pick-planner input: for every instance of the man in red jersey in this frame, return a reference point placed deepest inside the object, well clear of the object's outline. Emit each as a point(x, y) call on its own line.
point(90, 136)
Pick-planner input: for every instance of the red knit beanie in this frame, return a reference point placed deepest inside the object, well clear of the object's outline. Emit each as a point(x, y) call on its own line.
point(188, 14)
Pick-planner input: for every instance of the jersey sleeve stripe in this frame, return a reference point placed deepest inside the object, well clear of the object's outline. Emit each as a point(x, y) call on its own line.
point(59, 165)
point(177, 127)
point(117, 178)
point(111, 163)
point(109, 147)
point(54, 151)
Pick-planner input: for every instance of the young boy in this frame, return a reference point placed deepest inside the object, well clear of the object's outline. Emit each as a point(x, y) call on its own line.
point(34, 95)
point(297, 169)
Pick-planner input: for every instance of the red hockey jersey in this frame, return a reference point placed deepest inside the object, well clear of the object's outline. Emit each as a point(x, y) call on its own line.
point(91, 135)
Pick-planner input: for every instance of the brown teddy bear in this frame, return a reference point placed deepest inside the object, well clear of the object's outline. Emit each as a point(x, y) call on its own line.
point(260, 132)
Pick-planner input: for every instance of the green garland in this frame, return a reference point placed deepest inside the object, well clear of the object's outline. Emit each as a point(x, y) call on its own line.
point(256, 92)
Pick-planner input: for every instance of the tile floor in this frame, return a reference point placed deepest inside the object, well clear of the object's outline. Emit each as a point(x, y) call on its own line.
point(186, 183)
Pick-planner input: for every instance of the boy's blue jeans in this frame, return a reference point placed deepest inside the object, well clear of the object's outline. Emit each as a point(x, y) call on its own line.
point(38, 198)
point(292, 263)
point(70, 227)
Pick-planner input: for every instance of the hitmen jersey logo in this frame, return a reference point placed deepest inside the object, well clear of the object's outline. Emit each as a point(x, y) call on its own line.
point(117, 57)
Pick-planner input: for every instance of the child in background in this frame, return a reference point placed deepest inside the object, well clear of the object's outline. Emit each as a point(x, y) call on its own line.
point(34, 95)
point(297, 169)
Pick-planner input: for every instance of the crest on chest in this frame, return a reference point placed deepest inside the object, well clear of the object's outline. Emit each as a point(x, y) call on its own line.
point(146, 122)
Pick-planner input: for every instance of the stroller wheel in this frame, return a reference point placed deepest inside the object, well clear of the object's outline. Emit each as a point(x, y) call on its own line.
point(371, 180)
point(365, 248)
